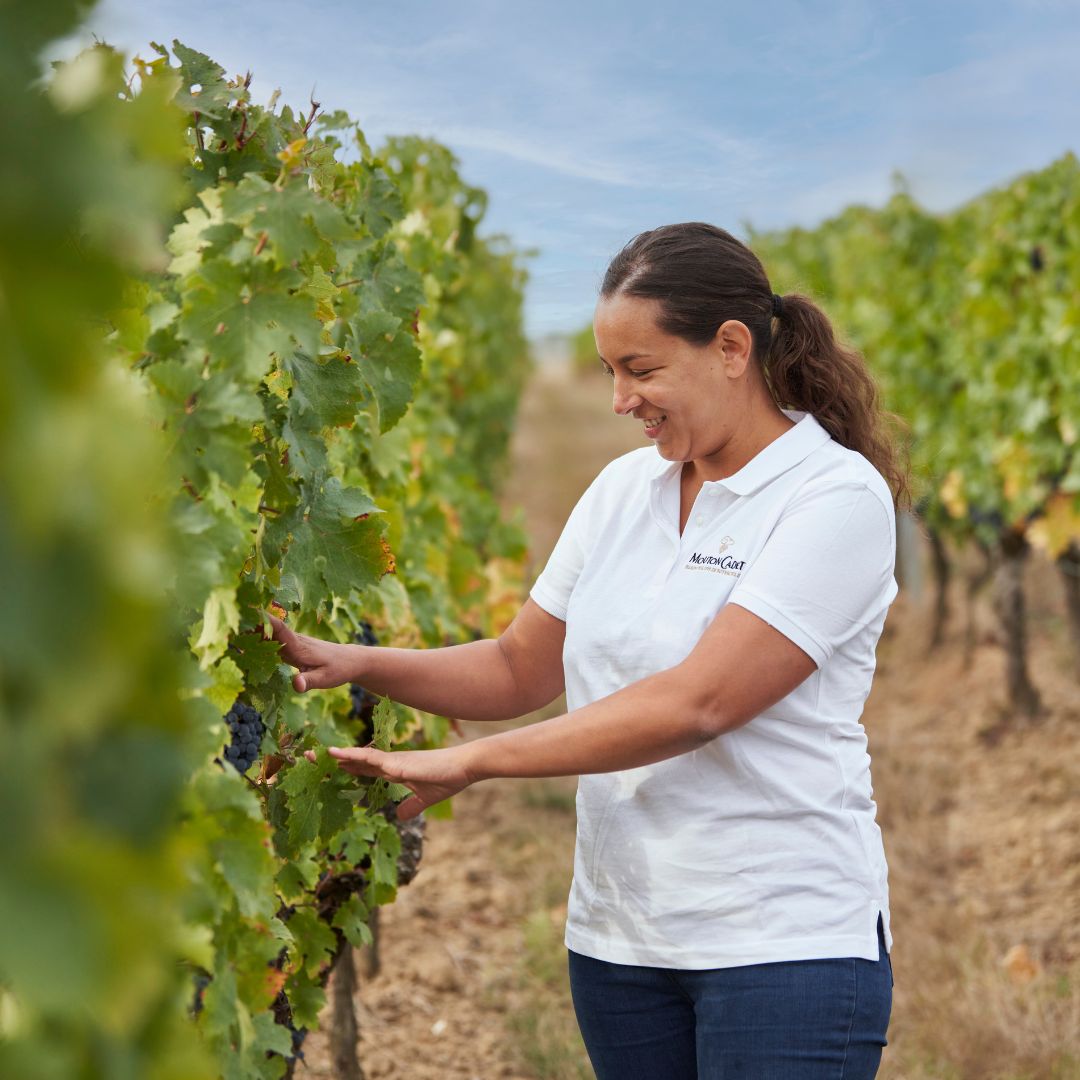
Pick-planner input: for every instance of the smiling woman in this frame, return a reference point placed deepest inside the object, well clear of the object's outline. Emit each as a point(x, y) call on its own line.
point(712, 610)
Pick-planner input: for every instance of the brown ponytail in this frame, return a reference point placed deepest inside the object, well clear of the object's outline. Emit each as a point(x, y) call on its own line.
point(702, 276)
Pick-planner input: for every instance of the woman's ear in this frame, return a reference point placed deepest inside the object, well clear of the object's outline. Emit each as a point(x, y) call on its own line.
point(734, 345)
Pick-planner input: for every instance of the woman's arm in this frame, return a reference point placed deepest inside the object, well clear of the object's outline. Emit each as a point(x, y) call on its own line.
point(739, 668)
point(483, 680)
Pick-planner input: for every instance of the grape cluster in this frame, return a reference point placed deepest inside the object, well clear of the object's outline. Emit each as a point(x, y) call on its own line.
point(363, 702)
point(246, 727)
point(298, 1036)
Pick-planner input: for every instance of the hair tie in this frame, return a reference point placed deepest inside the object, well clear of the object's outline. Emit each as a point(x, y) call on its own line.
point(777, 305)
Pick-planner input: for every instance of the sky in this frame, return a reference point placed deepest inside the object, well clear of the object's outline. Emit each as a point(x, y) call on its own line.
point(589, 122)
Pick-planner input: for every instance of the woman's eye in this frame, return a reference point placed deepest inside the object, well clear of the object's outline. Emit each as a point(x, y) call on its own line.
point(638, 374)
point(609, 372)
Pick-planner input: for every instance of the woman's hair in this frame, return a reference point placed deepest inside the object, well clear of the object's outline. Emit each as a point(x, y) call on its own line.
point(702, 276)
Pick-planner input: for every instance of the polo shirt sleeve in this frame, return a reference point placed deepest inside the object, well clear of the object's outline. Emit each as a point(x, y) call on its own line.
point(826, 570)
point(558, 578)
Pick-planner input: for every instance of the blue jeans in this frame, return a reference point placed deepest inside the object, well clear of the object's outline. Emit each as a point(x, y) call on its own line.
point(797, 1020)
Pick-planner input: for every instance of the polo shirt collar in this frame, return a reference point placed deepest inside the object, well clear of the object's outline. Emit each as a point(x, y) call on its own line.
point(795, 445)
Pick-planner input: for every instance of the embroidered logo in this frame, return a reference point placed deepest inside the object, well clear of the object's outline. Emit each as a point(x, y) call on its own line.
point(718, 563)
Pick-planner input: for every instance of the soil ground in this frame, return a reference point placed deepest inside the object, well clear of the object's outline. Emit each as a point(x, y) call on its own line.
point(979, 812)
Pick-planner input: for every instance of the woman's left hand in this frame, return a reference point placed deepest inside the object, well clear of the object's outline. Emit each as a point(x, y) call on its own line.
point(431, 775)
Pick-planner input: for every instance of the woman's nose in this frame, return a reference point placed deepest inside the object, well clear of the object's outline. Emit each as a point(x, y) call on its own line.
point(624, 398)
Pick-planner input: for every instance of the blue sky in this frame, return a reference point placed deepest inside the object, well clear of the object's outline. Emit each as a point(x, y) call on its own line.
point(588, 122)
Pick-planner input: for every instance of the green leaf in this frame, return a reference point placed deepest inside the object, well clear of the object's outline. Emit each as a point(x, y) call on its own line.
point(360, 836)
point(245, 861)
point(220, 1007)
point(272, 1037)
point(384, 859)
point(315, 938)
point(244, 316)
point(336, 812)
point(196, 69)
point(352, 920)
point(283, 214)
point(331, 390)
point(302, 784)
point(381, 202)
point(297, 876)
point(389, 362)
point(307, 998)
point(256, 657)
point(339, 547)
point(383, 721)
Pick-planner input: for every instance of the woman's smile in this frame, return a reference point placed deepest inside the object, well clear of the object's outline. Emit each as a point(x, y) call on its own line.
point(653, 423)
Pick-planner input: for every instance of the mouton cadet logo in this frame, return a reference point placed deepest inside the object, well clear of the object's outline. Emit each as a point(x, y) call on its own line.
point(718, 563)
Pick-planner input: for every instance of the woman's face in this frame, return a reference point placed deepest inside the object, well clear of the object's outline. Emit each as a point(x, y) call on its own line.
point(686, 396)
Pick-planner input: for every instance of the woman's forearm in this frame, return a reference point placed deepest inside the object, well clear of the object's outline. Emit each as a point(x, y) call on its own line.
point(740, 667)
point(473, 681)
point(649, 721)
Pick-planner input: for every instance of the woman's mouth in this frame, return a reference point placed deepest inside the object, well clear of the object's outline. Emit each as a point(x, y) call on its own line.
point(652, 424)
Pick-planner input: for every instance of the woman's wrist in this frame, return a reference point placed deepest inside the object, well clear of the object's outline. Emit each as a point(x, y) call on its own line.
point(471, 756)
point(355, 664)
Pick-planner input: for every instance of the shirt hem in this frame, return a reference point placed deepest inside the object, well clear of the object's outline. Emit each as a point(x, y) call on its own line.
point(548, 603)
point(783, 950)
point(753, 603)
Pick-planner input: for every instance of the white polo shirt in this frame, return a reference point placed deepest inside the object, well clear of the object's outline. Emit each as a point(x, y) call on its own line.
point(761, 846)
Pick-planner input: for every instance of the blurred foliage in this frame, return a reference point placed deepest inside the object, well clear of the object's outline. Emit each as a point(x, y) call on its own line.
point(239, 370)
point(97, 741)
point(583, 355)
point(970, 321)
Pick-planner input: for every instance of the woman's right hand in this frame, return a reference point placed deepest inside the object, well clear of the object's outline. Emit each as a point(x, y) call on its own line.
point(322, 664)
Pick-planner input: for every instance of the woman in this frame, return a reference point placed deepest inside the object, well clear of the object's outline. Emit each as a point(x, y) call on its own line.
point(712, 610)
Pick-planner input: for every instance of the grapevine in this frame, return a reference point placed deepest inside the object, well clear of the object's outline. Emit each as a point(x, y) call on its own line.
point(969, 322)
point(287, 364)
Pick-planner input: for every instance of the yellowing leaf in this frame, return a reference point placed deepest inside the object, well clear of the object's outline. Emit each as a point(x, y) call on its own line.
point(951, 494)
point(290, 156)
point(227, 684)
point(1058, 527)
point(220, 616)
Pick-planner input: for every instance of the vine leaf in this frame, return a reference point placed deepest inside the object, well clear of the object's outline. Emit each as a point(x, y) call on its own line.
point(302, 784)
point(243, 315)
point(389, 361)
point(339, 546)
point(243, 855)
point(283, 214)
point(352, 920)
point(330, 390)
point(221, 616)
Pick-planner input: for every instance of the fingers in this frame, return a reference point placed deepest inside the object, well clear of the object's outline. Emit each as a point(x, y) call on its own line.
point(361, 761)
point(365, 761)
point(315, 678)
point(280, 631)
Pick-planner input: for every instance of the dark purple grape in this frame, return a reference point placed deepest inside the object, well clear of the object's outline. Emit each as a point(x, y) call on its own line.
point(246, 728)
